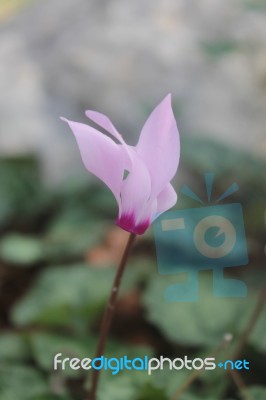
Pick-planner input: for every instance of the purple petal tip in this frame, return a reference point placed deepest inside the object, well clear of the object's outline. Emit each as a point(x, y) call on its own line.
point(127, 222)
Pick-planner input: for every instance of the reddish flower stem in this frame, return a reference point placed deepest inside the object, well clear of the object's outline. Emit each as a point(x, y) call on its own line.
point(251, 322)
point(108, 314)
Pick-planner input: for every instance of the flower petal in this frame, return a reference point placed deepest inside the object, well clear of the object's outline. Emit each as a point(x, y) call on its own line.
point(104, 122)
point(159, 145)
point(165, 200)
point(135, 215)
point(100, 155)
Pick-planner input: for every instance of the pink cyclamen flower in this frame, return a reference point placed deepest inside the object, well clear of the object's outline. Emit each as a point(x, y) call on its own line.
point(139, 176)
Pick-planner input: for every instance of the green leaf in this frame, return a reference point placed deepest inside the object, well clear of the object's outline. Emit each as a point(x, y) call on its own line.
point(50, 397)
point(257, 392)
point(207, 155)
point(203, 323)
point(192, 396)
point(169, 380)
point(255, 5)
point(21, 250)
point(127, 386)
point(20, 382)
point(66, 241)
point(258, 337)
point(219, 48)
point(13, 347)
point(196, 323)
point(75, 228)
point(64, 296)
point(69, 296)
point(92, 198)
point(21, 192)
point(121, 387)
point(102, 201)
point(45, 346)
point(70, 220)
point(138, 385)
point(149, 392)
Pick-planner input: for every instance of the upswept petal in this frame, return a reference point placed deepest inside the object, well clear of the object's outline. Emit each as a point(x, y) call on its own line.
point(100, 155)
point(165, 200)
point(136, 188)
point(159, 145)
point(104, 122)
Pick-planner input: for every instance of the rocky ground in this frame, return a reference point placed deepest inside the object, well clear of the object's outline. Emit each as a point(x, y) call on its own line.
point(60, 57)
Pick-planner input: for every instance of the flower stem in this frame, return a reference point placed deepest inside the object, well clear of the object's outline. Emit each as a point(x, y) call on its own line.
point(260, 304)
point(221, 346)
point(251, 322)
point(240, 384)
point(108, 314)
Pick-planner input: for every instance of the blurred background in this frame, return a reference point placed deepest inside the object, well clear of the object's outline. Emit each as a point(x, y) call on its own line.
point(58, 243)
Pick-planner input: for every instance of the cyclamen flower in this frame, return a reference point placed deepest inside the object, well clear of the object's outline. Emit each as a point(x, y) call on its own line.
point(139, 176)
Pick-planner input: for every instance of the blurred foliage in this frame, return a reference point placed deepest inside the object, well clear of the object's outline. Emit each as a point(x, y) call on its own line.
point(21, 382)
point(76, 295)
point(255, 5)
point(53, 294)
point(21, 250)
point(217, 49)
point(21, 191)
point(257, 392)
point(201, 323)
point(202, 155)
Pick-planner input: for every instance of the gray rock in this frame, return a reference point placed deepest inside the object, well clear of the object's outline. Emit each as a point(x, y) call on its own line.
point(60, 57)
